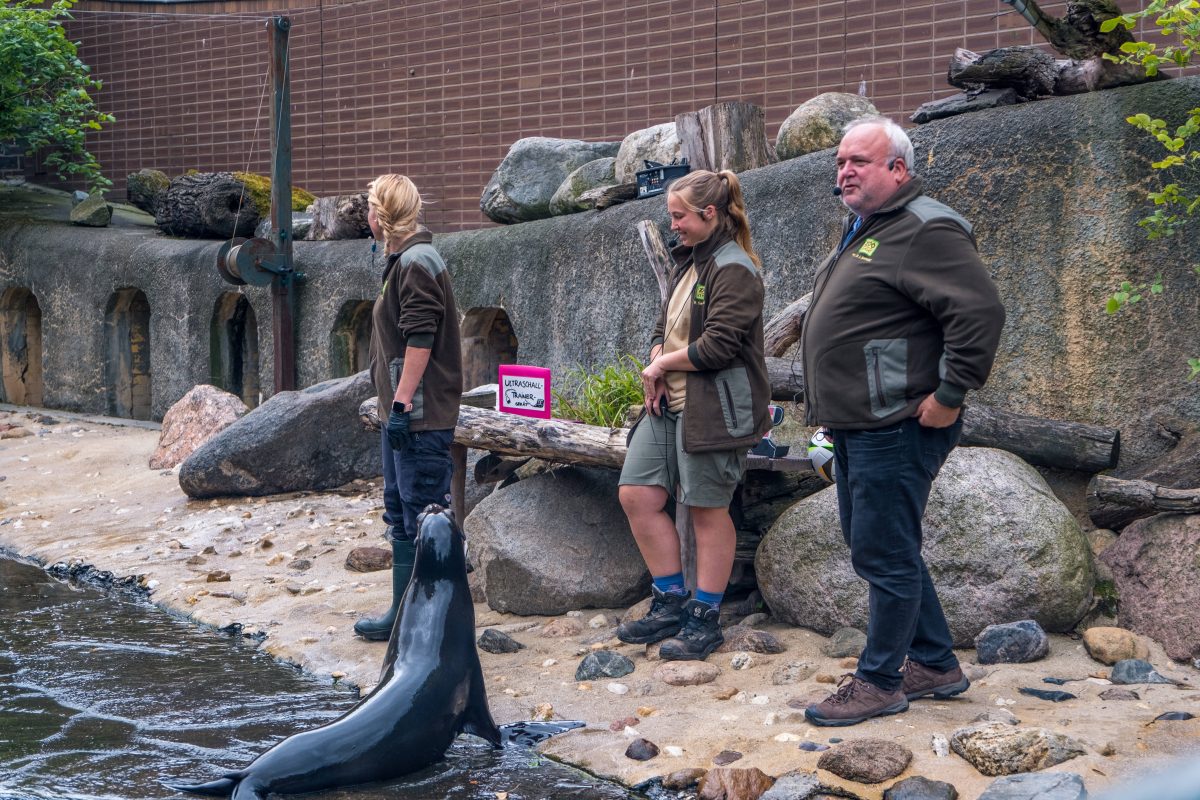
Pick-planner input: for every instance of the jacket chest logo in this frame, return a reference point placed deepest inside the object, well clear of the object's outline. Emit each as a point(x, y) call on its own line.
point(698, 294)
point(867, 249)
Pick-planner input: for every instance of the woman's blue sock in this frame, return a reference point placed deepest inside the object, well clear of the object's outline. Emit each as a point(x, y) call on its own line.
point(670, 584)
point(712, 598)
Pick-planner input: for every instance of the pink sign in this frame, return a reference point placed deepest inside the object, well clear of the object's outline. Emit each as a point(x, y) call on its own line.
point(524, 391)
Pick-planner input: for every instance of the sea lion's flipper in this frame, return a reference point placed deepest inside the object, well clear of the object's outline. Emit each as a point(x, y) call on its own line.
point(222, 787)
point(477, 718)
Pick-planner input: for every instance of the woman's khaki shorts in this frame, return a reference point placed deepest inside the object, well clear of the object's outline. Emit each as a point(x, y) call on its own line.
point(656, 458)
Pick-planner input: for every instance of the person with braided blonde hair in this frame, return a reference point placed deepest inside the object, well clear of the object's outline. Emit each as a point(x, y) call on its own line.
point(416, 365)
point(705, 394)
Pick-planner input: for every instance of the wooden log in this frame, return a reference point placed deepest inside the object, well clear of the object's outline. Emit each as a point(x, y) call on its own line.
point(1077, 35)
point(207, 205)
point(549, 439)
point(963, 103)
point(729, 135)
point(1142, 496)
point(1176, 470)
point(342, 216)
point(1029, 71)
point(783, 330)
point(1042, 442)
point(657, 254)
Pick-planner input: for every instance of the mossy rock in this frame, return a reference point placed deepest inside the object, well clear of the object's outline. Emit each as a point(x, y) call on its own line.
point(259, 187)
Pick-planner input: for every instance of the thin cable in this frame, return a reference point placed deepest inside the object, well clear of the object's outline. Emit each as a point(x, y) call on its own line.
point(250, 154)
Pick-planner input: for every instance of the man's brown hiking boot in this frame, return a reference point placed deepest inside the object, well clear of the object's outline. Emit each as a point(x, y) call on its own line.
point(855, 701)
point(922, 681)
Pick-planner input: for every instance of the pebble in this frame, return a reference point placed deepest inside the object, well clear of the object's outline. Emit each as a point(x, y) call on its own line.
point(621, 724)
point(1043, 694)
point(1136, 670)
point(618, 688)
point(824, 677)
point(218, 576)
point(1119, 694)
point(813, 747)
point(792, 672)
point(598, 621)
point(685, 673)
point(940, 745)
point(787, 737)
point(641, 750)
point(493, 641)
point(741, 661)
point(542, 712)
point(1012, 643)
point(760, 700)
point(726, 757)
point(549, 662)
point(673, 751)
point(1173, 716)
point(603, 664)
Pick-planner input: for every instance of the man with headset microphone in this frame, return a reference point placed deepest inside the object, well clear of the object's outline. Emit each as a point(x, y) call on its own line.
point(904, 320)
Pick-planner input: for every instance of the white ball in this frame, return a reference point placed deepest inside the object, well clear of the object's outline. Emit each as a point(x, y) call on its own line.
point(820, 453)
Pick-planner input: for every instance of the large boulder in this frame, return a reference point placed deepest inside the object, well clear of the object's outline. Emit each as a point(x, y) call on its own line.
point(1157, 574)
point(592, 175)
point(998, 544)
point(659, 143)
point(310, 439)
point(145, 189)
point(556, 542)
point(522, 186)
point(199, 415)
point(817, 124)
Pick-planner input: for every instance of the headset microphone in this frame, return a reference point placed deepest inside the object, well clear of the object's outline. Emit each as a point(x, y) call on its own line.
point(837, 191)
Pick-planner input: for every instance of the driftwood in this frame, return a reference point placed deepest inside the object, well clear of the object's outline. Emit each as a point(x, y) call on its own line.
point(1076, 35)
point(207, 205)
point(1029, 71)
point(657, 254)
point(963, 103)
point(1176, 471)
point(783, 330)
point(729, 135)
point(548, 439)
point(339, 217)
point(1143, 497)
point(602, 197)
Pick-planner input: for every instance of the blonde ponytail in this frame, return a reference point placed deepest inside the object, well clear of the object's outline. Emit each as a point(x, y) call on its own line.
point(397, 204)
point(723, 190)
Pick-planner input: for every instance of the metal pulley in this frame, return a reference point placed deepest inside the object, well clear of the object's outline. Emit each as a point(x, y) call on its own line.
point(249, 261)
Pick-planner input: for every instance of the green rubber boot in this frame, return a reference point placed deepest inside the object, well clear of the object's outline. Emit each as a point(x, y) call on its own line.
point(379, 629)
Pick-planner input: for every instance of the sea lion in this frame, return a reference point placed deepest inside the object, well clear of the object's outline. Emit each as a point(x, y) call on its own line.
point(431, 689)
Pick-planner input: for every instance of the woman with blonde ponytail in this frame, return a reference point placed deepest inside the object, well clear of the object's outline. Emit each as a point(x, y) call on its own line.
point(705, 392)
point(416, 365)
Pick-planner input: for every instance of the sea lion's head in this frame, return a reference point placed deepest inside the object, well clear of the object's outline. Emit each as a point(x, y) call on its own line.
point(441, 547)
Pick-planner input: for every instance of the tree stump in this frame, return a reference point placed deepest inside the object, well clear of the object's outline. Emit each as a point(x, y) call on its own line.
point(339, 217)
point(207, 205)
point(730, 135)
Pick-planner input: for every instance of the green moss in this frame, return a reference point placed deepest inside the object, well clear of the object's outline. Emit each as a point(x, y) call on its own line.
point(259, 187)
point(1107, 598)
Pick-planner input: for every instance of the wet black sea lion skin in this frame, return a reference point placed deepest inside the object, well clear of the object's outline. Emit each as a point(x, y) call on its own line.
point(431, 689)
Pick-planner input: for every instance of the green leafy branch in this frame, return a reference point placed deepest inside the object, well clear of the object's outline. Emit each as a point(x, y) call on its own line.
point(46, 98)
point(1178, 201)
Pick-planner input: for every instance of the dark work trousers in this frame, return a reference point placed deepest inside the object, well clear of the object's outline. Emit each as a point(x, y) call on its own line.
point(414, 477)
point(883, 481)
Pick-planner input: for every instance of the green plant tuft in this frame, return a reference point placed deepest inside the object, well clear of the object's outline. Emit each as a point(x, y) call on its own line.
point(600, 396)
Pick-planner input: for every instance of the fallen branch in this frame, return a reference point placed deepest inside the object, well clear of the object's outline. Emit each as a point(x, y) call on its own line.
point(1143, 496)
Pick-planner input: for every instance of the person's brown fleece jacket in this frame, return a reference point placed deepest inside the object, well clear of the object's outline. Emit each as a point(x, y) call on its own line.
point(416, 307)
point(904, 310)
point(727, 397)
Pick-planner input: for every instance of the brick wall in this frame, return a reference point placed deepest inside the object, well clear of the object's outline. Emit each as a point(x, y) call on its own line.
point(440, 90)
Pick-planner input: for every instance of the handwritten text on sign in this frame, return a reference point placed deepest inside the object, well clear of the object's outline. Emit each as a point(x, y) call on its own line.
point(524, 390)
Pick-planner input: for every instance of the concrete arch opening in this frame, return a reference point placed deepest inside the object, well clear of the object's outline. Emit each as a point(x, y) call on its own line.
point(488, 340)
point(20, 348)
point(350, 339)
point(127, 354)
point(233, 348)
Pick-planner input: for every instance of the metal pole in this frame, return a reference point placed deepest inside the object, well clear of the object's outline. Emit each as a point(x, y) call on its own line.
point(283, 303)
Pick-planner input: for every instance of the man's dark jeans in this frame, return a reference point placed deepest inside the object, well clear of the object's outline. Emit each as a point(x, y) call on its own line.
point(883, 482)
point(414, 477)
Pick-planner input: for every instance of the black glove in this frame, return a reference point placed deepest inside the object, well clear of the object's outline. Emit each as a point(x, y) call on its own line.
point(397, 429)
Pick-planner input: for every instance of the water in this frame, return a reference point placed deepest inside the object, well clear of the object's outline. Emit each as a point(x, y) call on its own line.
point(103, 697)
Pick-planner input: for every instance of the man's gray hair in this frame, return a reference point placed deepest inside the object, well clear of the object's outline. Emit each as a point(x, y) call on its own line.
point(899, 144)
